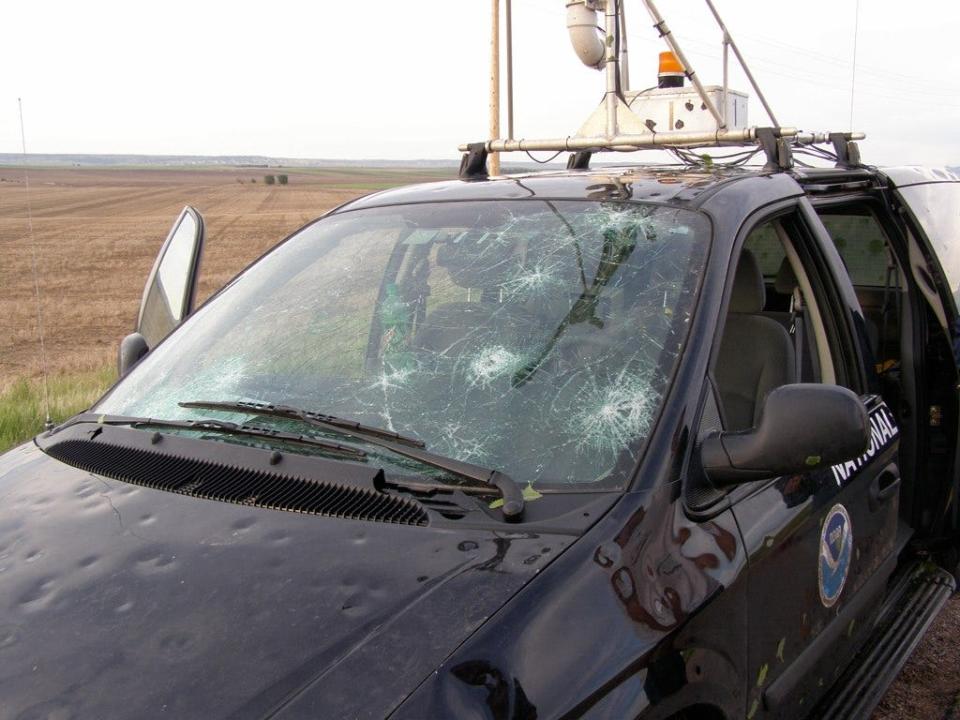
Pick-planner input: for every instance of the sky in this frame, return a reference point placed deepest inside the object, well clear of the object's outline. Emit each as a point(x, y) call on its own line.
point(404, 80)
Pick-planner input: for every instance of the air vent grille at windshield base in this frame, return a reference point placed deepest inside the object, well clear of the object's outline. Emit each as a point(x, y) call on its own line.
point(218, 481)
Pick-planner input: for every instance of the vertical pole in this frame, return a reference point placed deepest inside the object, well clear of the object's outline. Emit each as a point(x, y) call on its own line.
point(610, 28)
point(726, 77)
point(853, 74)
point(743, 63)
point(495, 82)
point(624, 61)
point(509, 10)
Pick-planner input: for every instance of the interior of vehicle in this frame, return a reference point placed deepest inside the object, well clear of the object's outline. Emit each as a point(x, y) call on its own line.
point(774, 332)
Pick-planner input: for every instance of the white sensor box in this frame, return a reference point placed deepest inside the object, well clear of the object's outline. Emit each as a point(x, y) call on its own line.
point(682, 110)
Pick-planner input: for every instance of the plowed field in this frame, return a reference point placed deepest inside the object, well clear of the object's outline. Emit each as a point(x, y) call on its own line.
point(97, 234)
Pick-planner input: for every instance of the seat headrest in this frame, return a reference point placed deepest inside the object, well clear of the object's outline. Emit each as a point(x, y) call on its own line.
point(786, 279)
point(478, 259)
point(748, 292)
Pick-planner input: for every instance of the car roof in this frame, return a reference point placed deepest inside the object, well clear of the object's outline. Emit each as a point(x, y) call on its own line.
point(915, 175)
point(667, 184)
point(660, 184)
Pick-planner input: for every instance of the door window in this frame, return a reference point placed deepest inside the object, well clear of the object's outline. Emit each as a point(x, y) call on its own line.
point(174, 271)
point(876, 276)
point(168, 297)
point(774, 333)
point(862, 244)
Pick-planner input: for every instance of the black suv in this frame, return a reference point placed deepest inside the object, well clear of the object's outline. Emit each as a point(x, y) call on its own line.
point(606, 443)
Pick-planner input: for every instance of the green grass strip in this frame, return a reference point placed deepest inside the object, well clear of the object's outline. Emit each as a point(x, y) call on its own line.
point(21, 404)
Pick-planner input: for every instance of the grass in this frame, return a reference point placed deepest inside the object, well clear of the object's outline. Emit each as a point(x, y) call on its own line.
point(21, 403)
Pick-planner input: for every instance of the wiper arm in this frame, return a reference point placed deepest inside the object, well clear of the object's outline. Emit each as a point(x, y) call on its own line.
point(405, 446)
point(227, 428)
point(285, 411)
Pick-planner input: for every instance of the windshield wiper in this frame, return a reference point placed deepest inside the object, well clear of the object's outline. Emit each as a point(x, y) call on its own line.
point(227, 428)
point(406, 446)
point(285, 411)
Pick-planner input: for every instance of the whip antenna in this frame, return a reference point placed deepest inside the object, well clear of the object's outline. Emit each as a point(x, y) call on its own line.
point(853, 74)
point(48, 423)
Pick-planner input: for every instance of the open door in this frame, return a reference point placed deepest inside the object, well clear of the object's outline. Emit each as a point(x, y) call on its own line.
point(170, 292)
point(928, 201)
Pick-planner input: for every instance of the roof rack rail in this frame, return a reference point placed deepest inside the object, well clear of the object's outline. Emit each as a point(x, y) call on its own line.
point(847, 151)
point(473, 164)
point(579, 160)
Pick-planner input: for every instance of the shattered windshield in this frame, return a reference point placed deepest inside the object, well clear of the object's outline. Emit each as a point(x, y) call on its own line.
point(530, 336)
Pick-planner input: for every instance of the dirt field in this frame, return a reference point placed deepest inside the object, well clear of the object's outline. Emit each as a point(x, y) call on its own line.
point(929, 685)
point(98, 232)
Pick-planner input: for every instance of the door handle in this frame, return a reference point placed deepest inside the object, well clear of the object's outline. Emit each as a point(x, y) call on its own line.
point(884, 486)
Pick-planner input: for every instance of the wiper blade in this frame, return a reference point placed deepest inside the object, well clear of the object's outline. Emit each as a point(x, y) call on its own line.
point(293, 413)
point(227, 428)
point(407, 447)
point(255, 431)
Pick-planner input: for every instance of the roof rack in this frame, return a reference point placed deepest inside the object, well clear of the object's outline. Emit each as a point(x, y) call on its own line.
point(616, 127)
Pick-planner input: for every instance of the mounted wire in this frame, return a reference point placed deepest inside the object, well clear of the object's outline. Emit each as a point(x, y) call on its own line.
point(48, 422)
point(731, 160)
point(544, 162)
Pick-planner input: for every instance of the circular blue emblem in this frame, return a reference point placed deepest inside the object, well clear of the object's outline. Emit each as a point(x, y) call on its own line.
point(836, 547)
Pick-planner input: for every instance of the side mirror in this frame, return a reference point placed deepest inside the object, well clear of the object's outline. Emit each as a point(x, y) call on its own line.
point(802, 427)
point(171, 288)
point(132, 348)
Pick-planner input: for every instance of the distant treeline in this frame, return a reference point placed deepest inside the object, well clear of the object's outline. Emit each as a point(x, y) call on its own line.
point(247, 161)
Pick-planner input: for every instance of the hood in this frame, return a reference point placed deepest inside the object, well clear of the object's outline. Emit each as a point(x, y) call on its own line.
point(120, 600)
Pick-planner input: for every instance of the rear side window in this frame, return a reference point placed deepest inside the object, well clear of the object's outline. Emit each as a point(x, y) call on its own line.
point(936, 206)
point(767, 249)
point(878, 280)
point(862, 245)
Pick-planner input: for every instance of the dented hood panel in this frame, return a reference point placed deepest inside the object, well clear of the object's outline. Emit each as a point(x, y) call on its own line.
point(117, 600)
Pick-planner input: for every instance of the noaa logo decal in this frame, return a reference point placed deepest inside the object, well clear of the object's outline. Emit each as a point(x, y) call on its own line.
point(836, 547)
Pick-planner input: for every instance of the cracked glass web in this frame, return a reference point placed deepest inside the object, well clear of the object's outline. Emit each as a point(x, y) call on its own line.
point(535, 337)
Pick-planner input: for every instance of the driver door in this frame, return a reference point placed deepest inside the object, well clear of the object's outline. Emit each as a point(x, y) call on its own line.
point(820, 544)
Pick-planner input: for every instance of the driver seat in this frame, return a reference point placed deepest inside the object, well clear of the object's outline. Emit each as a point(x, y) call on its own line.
point(756, 352)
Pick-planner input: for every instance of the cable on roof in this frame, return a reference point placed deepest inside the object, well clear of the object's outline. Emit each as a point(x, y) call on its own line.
point(549, 159)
